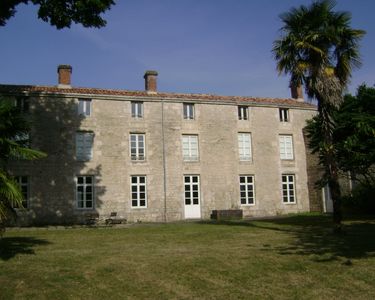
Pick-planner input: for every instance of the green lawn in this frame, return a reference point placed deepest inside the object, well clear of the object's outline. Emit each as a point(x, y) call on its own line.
point(291, 258)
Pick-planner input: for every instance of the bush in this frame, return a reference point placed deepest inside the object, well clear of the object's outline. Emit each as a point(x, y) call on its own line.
point(362, 200)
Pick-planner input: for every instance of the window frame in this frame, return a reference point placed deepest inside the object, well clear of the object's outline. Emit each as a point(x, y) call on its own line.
point(285, 152)
point(84, 107)
point(137, 156)
point(241, 146)
point(188, 111)
point(286, 189)
point(243, 113)
point(137, 109)
point(249, 201)
point(26, 195)
point(138, 191)
point(284, 115)
point(85, 145)
point(22, 103)
point(190, 149)
point(84, 192)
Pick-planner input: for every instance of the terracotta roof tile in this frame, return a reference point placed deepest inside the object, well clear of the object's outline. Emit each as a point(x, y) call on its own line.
point(193, 97)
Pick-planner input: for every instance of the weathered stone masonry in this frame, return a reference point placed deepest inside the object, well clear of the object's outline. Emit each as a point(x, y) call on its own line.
point(52, 181)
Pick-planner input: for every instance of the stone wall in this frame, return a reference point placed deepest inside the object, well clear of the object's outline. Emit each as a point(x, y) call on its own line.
point(55, 122)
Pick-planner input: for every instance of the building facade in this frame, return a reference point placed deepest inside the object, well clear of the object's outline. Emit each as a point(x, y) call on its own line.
point(152, 156)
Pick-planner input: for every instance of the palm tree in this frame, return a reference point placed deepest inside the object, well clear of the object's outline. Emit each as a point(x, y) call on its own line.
point(319, 49)
point(14, 129)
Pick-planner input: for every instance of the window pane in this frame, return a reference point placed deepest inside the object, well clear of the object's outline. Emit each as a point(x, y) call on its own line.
point(134, 203)
point(195, 178)
point(187, 179)
point(88, 107)
point(142, 179)
point(142, 203)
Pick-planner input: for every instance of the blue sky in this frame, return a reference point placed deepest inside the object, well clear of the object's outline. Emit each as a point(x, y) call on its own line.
point(197, 46)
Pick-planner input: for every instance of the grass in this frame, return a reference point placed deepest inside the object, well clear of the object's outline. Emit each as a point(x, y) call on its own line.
point(294, 257)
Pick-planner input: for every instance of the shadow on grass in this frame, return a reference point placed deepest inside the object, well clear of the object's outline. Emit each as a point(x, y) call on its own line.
point(11, 246)
point(313, 236)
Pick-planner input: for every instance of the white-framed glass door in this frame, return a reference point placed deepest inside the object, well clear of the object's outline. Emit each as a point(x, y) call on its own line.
point(192, 197)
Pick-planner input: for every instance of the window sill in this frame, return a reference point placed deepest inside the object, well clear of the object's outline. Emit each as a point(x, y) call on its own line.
point(289, 203)
point(250, 161)
point(248, 205)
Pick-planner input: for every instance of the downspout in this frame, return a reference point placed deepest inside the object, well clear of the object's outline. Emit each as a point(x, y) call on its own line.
point(164, 163)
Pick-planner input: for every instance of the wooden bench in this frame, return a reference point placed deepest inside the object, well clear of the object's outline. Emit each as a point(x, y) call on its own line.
point(91, 219)
point(114, 219)
point(227, 214)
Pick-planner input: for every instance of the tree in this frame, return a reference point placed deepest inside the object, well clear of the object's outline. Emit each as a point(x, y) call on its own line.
point(14, 129)
point(61, 13)
point(319, 49)
point(354, 135)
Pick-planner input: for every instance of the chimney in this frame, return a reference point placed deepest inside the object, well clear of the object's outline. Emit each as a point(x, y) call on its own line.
point(150, 82)
point(297, 92)
point(64, 72)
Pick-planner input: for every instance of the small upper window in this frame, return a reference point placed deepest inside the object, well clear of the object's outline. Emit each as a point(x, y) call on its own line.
point(284, 114)
point(243, 113)
point(137, 109)
point(189, 111)
point(84, 107)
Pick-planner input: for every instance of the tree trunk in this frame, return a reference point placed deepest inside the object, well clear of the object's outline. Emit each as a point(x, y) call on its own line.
point(334, 187)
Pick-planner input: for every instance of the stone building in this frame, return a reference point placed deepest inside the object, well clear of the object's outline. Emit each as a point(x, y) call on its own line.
point(153, 156)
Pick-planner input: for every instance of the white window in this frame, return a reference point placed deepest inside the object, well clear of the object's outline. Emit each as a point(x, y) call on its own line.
point(85, 192)
point(189, 111)
point(137, 146)
point(190, 147)
point(243, 113)
point(137, 109)
point(286, 147)
point(138, 191)
point(247, 196)
point(288, 187)
point(84, 145)
point(23, 182)
point(191, 184)
point(244, 146)
point(284, 114)
point(84, 107)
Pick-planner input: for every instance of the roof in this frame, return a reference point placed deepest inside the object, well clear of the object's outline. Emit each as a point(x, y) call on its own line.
point(34, 89)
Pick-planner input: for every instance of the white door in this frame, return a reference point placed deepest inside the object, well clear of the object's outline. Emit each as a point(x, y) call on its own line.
point(192, 197)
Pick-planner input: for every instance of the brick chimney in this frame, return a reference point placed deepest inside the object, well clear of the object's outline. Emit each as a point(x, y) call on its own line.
point(64, 72)
point(297, 92)
point(150, 82)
